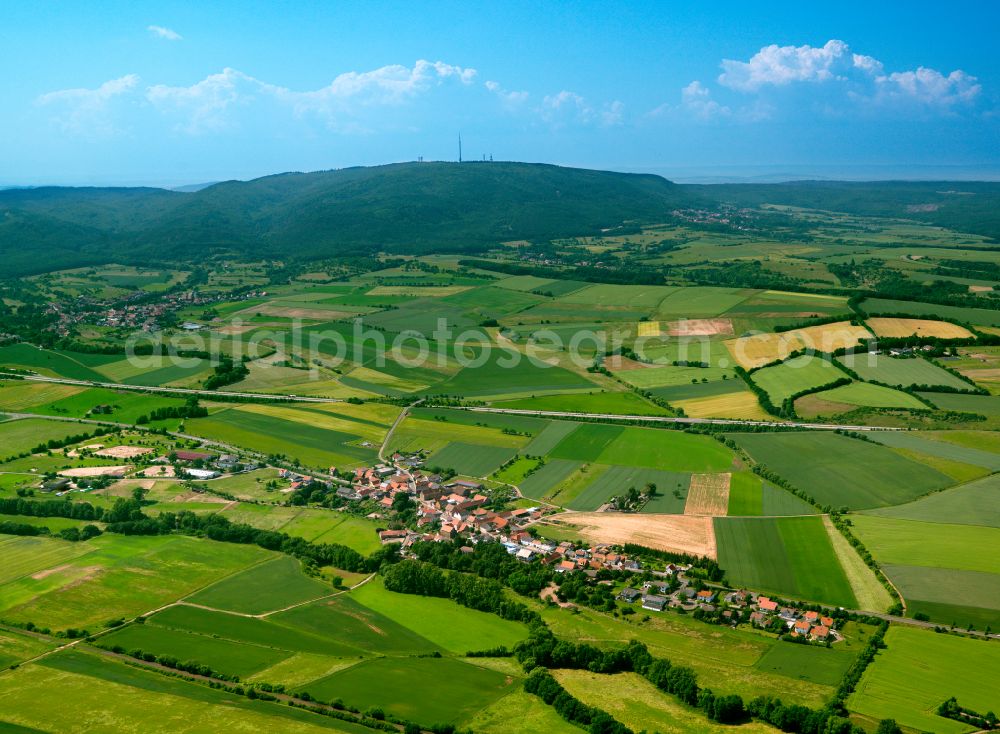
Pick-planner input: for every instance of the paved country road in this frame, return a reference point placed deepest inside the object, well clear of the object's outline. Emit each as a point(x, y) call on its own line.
point(177, 390)
point(683, 421)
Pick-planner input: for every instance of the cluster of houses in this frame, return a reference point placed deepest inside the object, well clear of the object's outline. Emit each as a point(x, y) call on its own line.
point(655, 596)
point(810, 624)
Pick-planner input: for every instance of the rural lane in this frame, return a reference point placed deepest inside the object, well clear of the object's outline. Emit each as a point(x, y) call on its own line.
point(683, 421)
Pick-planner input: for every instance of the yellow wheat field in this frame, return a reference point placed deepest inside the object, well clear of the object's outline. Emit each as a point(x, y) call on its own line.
point(759, 349)
point(708, 495)
point(917, 327)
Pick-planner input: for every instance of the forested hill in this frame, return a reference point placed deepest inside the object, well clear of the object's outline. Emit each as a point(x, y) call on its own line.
point(406, 208)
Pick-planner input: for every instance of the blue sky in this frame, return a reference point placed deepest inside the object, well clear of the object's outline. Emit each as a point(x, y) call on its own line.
point(170, 93)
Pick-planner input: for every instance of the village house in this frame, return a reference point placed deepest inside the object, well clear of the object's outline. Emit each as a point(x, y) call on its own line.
point(654, 602)
point(629, 595)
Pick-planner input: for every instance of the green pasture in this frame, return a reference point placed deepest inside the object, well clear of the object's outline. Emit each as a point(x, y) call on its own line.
point(74, 365)
point(914, 441)
point(428, 690)
point(448, 625)
point(988, 405)
point(17, 436)
point(235, 658)
point(272, 585)
point(918, 670)
point(98, 693)
point(61, 584)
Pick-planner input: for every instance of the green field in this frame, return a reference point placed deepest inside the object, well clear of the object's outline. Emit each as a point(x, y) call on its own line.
point(901, 372)
point(96, 693)
point(495, 378)
point(454, 628)
point(18, 436)
point(472, 460)
point(950, 572)
point(914, 441)
point(789, 556)
point(841, 471)
point(918, 670)
point(61, 584)
point(616, 480)
point(800, 373)
point(587, 442)
point(750, 496)
point(988, 405)
point(811, 663)
point(617, 403)
point(272, 585)
point(268, 632)
point(73, 365)
point(428, 690)
point(269, 434)
point(866, 394)
point(975, 503)
point(541, 482)
point(235, 658)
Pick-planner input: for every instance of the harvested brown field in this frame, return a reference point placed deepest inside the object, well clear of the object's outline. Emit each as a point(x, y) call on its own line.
point(760, 349)
point(162, 470)
point(708, 495)
point(619, 363)
point(699, 327)
point(892, 327)
point(675, 533)
point(124, 452)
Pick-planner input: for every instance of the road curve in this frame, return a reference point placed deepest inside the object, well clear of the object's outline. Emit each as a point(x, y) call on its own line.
point(683, 421)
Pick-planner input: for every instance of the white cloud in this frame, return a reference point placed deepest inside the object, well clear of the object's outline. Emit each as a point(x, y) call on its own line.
point(86, 111)
point(507, 97)
point(782, 65)
point(858, 78)
point(928, 87)
point(697, 100)
point(205, 105)
point(165, 33)
point(567, 107)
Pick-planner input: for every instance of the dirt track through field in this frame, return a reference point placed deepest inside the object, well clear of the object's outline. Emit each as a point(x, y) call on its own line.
point(677, 533)
point(708, 495)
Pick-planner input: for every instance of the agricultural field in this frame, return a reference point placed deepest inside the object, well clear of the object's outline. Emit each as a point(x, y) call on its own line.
point(898, 327)
point(859, 394)
point(840, 471)
point(791, 557)
point(795, 375)
point(914, 371)
point(918, 670)
point(764, 348)
point(974, 503)
point(977, 316)
point(18, 436)
point(62, 584)
point(948, 571)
